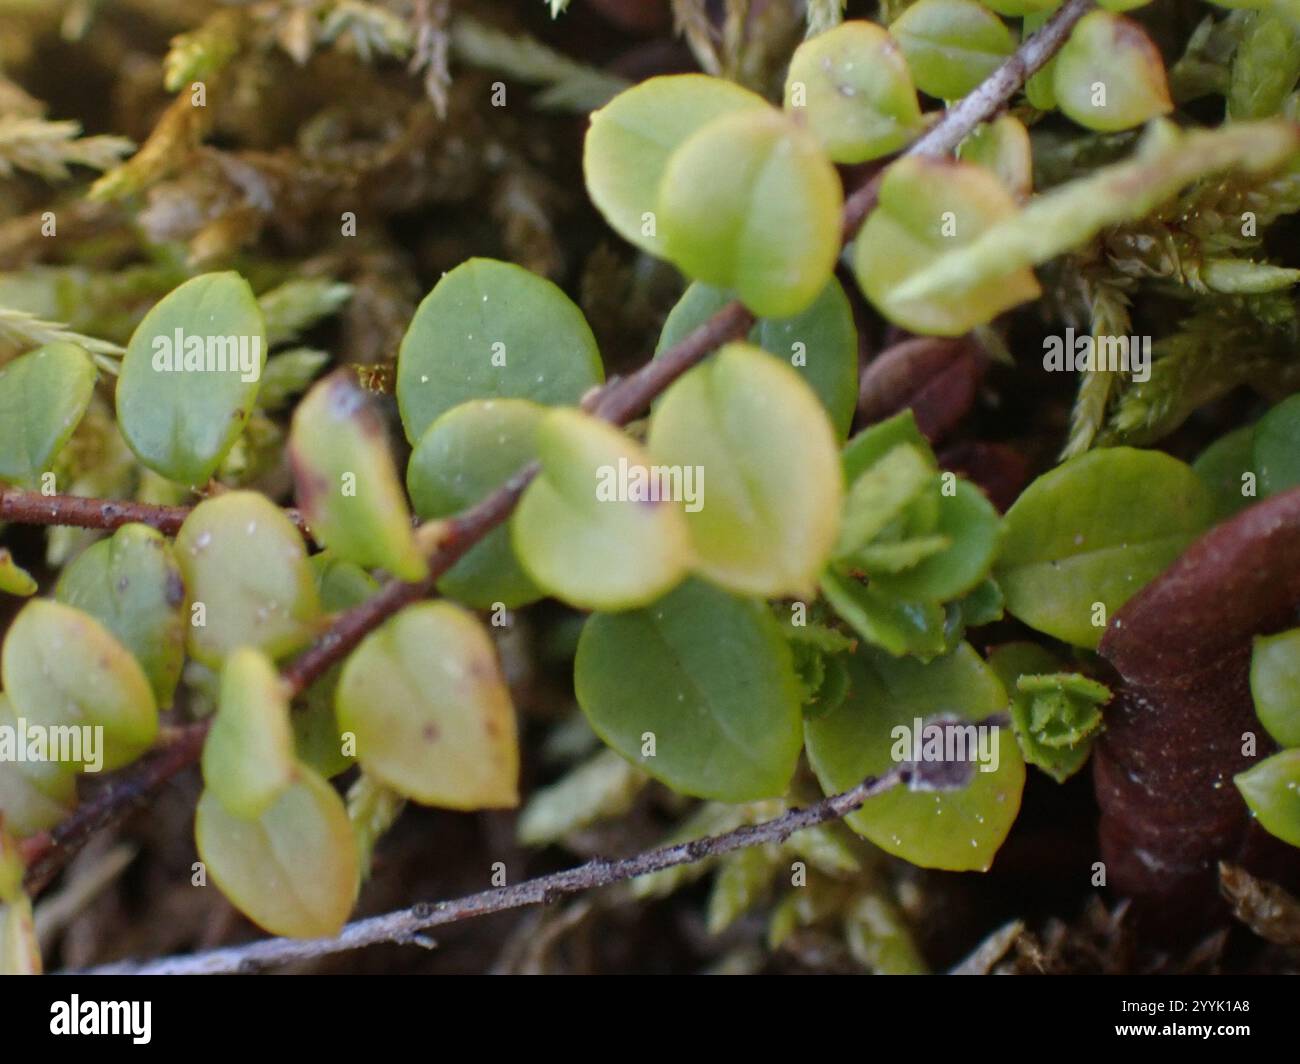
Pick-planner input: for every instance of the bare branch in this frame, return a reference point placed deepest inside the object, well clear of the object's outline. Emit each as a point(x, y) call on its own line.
point(33, 508)
point(408, 925)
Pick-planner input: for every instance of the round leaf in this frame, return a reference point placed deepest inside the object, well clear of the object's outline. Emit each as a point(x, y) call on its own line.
point(1272, 790)
point(858, 94)
point(955, 830)
point(631, 138)
point(250, 585)
point(493, 330)
point(929, 207)
point(248, 758)
point(1275, 685)
point(61, 667)
point(698, 689)
point(348, 489)
point(43, 395)
point(1091, 533)
point(465, 455)
point(951, 45)
point(293, 870)
point(431, 713)
point(821, 343)
point(190, 376)
point(1277, 447)
point(593, 528)
point(131, 583)
point(1109, 75)
point(751, 203)
point(770, 471)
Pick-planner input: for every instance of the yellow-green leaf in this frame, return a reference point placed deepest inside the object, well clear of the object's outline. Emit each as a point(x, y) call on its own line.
point(293, 870)
point(430, 710)
point(752, 203)
point(853, 85)
point(928, 209)
point(766, 460)
point(348, 490)
point(248, 757)
point(246, 569)
point(599, 527)
point(1109, 75)
point(62, 667)
point(630, 139)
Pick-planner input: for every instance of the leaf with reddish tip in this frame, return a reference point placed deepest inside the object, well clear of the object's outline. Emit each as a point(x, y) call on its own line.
point(348, 488)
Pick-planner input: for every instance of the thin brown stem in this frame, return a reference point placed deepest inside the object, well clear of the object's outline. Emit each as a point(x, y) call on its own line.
point(33, 508)
point(408, 925)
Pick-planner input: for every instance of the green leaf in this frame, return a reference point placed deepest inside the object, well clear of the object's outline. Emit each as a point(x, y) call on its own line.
point(34, 795)
point(190, 376)
point(14, 579)
point(246, 569)
point(972, 525)
point(289, 373)
point(599, 527)
point(292, 871)
point(1002, 148)
point(955, 830)
point(772, 487)
point(853, 85)
point(821, 343)
point(1275, 685)
point(871, 444)
point(1084, 538)
point(630, 140)
point(951, 45)
point(705, 681)
point(430, 710)
point(43, 396)
point(1265, 67)
point(882, 493)
point(1039, 90)
point(752, 203)
point(492, 330)
point(62, 667)
point(1272, 790)
point(1054, 715)
point(1276, 450)
point(131, 583)
point(248, 758)
point(465, 455)
point(928, 209)
point(1109, 75)
point(1228, 469)
point(1067, 216)
point(348, 490)
point(894, 626)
